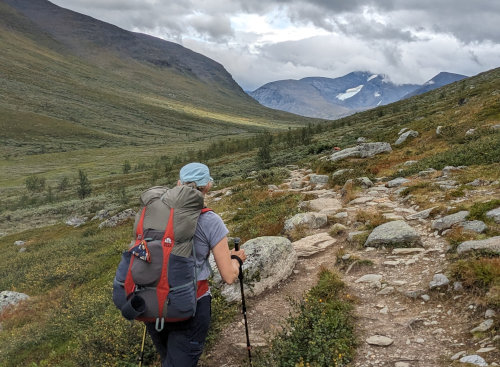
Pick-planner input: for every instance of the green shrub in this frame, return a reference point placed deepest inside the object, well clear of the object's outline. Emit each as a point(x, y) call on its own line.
point(478, 210)
point(35, 183)
point(322, 332)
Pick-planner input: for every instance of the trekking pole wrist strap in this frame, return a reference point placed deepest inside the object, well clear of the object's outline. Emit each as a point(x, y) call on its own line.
point(237, 259)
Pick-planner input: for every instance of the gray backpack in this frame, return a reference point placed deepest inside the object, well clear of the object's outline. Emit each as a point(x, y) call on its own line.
point(156, 280)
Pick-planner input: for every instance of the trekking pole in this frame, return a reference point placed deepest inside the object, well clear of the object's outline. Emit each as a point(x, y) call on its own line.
point(243, 306)
point(141, 356)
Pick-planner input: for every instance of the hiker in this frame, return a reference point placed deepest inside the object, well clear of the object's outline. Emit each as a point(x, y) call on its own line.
point(180, 344)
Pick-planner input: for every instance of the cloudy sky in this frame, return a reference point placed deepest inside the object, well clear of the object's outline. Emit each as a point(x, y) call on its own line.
point(259, 41)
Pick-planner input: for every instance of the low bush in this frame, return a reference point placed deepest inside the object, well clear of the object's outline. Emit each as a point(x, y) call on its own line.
point(322, 332)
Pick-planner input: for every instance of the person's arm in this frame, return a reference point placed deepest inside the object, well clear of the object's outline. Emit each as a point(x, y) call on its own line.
point(228, 268)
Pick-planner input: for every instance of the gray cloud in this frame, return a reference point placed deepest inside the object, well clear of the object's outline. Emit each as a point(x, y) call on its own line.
point(409, 40)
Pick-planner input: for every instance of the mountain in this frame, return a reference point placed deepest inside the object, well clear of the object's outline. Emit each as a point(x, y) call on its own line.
point(69, 81)
point(438, 81)
point(334, 98)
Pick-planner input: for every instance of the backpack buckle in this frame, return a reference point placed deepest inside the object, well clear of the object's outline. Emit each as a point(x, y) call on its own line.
point(160, 323)
point(139, 236)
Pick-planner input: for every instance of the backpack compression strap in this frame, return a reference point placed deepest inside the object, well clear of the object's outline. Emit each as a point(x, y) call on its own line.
point(139, 236)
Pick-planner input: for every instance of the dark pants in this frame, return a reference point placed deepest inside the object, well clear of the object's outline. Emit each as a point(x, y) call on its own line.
point(180, 343)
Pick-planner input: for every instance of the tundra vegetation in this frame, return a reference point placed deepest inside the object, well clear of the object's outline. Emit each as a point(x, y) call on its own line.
point(70, 320)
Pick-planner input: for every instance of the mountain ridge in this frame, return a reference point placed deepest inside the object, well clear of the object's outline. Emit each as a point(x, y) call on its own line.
point(345, 95)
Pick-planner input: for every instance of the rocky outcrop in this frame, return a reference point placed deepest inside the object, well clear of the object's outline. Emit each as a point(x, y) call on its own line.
point(308, 220)
point(397, 182)
point(118, 219)
point(449, 221)
point(76, 221)
point(324, 205)
point(269, 261)
point(394, 234)
point(364, 150)
point(311, 245)
point(318, 179)
point(9, 298)
point(490, 244)
point(477, 226)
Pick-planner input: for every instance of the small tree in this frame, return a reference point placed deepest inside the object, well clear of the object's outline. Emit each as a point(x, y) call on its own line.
point(126, 167)
point(35, 183)
point(264, 153)
point(63, 183)
point(84, 187)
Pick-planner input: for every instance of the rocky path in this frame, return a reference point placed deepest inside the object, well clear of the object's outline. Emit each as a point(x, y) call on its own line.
point(402, 318)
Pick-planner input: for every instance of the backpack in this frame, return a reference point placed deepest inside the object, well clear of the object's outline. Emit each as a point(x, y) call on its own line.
point(156, 280)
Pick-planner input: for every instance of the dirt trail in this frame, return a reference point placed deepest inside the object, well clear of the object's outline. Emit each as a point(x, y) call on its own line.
point(425, 331)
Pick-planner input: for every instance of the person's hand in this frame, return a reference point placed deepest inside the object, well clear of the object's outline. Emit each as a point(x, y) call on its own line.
point(240, 253)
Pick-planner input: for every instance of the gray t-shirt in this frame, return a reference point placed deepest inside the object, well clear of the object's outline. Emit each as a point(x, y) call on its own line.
point(210, 230)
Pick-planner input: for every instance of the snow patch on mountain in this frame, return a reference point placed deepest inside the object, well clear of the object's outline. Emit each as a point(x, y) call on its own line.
point(349, 93)
point(430, 82)
point(376, 94)
point(372, 77)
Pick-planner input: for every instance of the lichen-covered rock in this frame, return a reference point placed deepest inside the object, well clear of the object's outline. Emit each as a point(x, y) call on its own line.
point(318, 179)
point(309, 220)
point(364, 182)
point(449, 221)
point(364, 150)
point(118, 219)
point(494, 214)
point(477, 226)
point(397, 182)
point(490, 244)
point(9, 298)
point(270, 260)
point(439, 280)
point(394, 234)
point(76, 221)
point(340, 172)
point(404, 136)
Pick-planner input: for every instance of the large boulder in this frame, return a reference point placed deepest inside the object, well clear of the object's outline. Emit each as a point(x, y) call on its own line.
point(311, 245)
point(309, 220)
point(404, 136)
point(364, 150)
point(9, 298)
point(449, 221)
point(491, 244)
point(269, 261)
point(394, 234)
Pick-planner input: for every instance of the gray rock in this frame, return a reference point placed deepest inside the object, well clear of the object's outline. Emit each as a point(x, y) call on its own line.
point(439, 280)
point(76, 221)
point(318, 179)
point(272, 187)
point(395, 234)
point(22, 249)
point(270, 260)
point(439, 130)
point(365, 182)
point(372, 279)
point(474, 359)
point(491, 244)
point(409, 163)
point(9, 298)
point(296, 184)
point(495, 127)
point(403, 130)
point(449, 220)
point(407, 251)
point(379, 340)
point(470, 132)
point(449, 169)
point(361, 139)
point(364, 150)
point(484, 326)
point(101, 215)
point(478, 182)
point(325, 205)
point(402, 364)
point(490, 313)
point(20, 243)
point(458, 355)
point(118, 219)
point(309, 220)
point(385, 291)
point(340, 172)
point(458, 287)
point(477, 226)
point(341, 215)
point(414, 293)
point(397, 182)
point(494, 214)
point(404, 136)
point(337, 228)
point(427, 172)
point(311, 245)
point(424, 214)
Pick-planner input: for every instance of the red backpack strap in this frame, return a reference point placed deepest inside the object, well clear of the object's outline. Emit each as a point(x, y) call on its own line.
point(167, 242)
point(139, 231)
point(206, 210)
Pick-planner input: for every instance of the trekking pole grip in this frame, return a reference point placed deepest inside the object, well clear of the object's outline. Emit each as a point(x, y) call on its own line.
point(236, 243)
